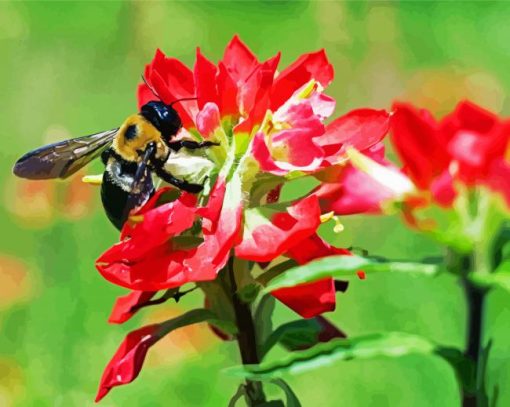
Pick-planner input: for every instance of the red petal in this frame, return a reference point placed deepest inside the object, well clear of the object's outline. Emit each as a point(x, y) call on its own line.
point(239, 60)
point(318, 296)
point(313, 247)
point(416, 138)
point(266, 241)
point(443, 190)
point(498, 179)
point(144, 95)
point(310, 299)
point(255, 96)
point(227, 92)
point(172, 80)
point(360, 129)
point(205, 79)
point(126, 306)
point(221, 234)
point(127, 362)
point(127, 229)
point(472, 117)
point(147, 261)
point(309, 66)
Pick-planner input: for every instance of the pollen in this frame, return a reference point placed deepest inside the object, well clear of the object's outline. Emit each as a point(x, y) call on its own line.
point(93, 179)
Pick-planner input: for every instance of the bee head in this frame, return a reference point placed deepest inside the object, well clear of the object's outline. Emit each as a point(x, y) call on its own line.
point(163, 117)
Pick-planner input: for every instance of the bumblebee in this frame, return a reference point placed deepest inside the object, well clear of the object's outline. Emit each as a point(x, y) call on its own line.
point(131, 154)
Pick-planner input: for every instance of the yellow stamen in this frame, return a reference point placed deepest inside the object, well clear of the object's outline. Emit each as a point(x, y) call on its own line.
point(327, 216)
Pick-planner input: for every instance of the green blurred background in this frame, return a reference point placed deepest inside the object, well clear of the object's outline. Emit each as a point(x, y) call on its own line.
point(71, 68)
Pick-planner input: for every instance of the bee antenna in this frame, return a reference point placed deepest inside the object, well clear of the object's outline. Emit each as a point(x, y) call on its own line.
point(182, 100)
point(151, 88)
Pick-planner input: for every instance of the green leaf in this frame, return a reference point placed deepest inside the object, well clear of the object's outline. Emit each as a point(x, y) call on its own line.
point(227, 327)
point(292, 400)
point(344, 267)
point(264, 318)
point(499, 278)
point(464, 367)
point(188, 318)
point(302, 334)
point(365, 347)
point(240, 392)
point(276, 270)
point(272, 403)
point(249, 292)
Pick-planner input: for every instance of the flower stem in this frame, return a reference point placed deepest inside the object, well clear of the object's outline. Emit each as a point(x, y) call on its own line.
point(246, 340)
point(475, 296)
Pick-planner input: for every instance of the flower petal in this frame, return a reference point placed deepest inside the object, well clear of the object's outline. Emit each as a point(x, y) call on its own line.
point(239, 60)
point(221, 233)
point(310, 299)
point(416, 138)
point(172, 80)
point(318, 297)
point(313, 247)
point(147, 261)
point(204, 74)
point(309, 66)
point(227, 92)
point(127, 305)
point(361, 129)
point(352, 189)
point(208, 120)
point(272, 229)
point(127, 362)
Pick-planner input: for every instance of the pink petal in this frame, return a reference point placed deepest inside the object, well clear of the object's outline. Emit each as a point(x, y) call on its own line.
point(278, 229)
point(443, 190)
point(208, 120)
point(354, 191)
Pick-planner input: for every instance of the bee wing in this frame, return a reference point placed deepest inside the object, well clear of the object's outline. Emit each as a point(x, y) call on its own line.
point(62, 159)
point(138, 181)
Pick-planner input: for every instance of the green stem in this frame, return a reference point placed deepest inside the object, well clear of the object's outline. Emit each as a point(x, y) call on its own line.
point(246, 340)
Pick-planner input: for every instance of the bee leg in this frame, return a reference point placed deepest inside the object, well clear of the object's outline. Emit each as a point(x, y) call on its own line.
point(179, 183)
point(191, 145)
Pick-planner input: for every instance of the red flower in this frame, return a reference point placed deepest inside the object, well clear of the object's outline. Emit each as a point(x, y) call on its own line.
point(467, 146)
point(269, 128)
point(236, 95)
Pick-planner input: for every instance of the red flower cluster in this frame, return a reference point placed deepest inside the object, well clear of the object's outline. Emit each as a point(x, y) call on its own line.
point(467, 147)
point(270, 127)
point(449, 166)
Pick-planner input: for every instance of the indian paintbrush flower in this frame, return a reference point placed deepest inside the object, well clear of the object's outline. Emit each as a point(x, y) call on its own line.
point(269, 127)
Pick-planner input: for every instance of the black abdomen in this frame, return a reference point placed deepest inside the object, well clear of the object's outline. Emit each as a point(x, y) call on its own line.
point(115, 191)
